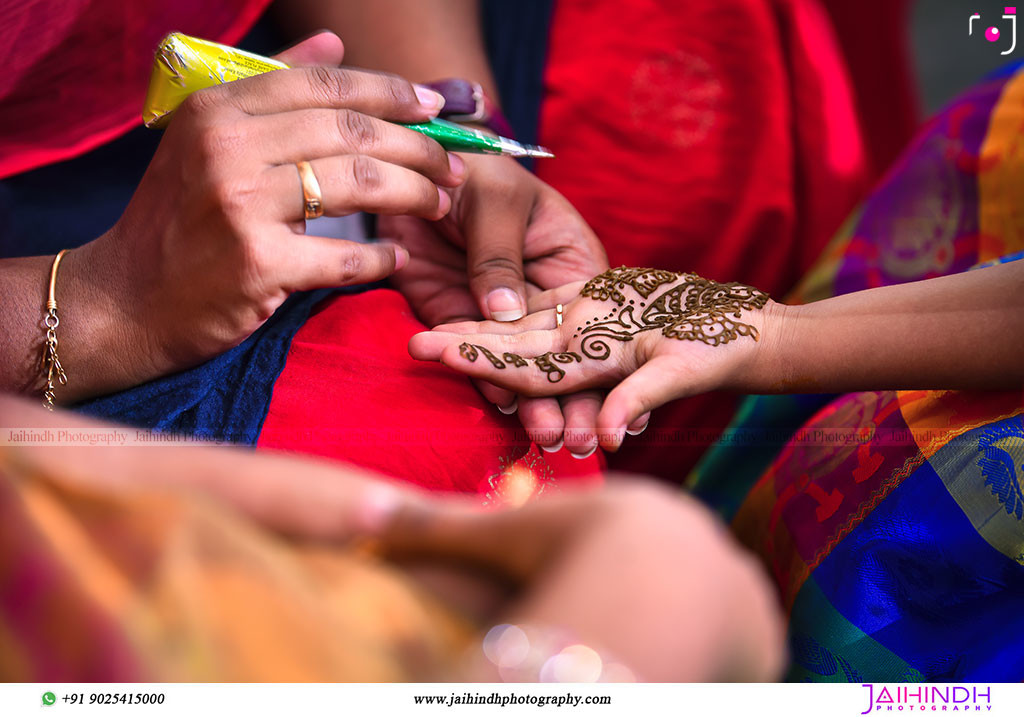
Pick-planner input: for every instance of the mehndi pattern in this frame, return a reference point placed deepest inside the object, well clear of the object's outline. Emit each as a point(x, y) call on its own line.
point(693, 309)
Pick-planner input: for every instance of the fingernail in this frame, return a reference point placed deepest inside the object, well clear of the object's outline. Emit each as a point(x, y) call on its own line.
point(376, 509)
point(581, 456)
point(639, 430)
point(432, 101)
point(555, 448)
point(614, 438)
point(511, 408)
point(457, 165)
point(402, 258)
point(504, 305)
point(401, 253)
point(444, 202)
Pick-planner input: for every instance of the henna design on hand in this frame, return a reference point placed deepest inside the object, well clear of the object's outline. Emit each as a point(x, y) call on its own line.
point(554, 373)
point(545, 362)
point(472, 352)
point(643, 281)
point(696, 309)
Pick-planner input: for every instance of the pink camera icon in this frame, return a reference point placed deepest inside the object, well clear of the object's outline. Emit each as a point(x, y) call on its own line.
point(993, 34)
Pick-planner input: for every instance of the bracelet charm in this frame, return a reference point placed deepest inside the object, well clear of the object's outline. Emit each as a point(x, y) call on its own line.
point(51, 365)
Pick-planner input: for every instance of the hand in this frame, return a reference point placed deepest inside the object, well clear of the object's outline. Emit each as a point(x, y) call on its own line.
point(559, 551)
point(690, 604)
point(508, 237)
point(213, 241)
point(654, 335)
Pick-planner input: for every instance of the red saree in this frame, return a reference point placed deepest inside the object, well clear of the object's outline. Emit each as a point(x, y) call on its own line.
point(75, 72)
point(719, 137)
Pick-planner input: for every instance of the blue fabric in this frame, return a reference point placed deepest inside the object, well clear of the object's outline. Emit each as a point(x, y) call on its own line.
point(66, 205)
point(224, 399)
point(1005, 71)
point(1017, 256)
point(516, 35)
point(918, 578)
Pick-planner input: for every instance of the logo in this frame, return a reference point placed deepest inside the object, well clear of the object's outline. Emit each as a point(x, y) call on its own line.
point(928, 698)
point(993, 34)
point(49, 698)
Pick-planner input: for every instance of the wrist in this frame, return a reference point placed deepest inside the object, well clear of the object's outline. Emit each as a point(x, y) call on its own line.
point(100, 345)
point(773, 367)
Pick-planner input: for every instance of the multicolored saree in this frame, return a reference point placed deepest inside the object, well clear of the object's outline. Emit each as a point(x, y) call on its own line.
point(162, 584)
point(893, 521)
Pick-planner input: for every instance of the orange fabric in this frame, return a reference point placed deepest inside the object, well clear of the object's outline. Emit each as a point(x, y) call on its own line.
point(164, 586)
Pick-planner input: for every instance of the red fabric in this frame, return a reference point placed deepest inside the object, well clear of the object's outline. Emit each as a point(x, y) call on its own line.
point(874, 38)
point(75, 71)
point(715, 136)
point(350, 391)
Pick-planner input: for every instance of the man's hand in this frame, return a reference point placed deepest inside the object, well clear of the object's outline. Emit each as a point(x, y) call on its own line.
point(213, 240)
point(509, 236)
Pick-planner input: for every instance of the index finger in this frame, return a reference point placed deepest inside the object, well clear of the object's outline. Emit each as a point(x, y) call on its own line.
point(374, 93)
point(550, 372)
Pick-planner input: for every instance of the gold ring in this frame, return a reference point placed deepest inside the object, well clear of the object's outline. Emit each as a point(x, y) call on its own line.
point(313, 201)
point(558, 315)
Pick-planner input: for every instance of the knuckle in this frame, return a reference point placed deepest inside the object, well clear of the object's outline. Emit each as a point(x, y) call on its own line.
point(366, 174)
point(429, 197)
point(329, 85)
point(200, 102)
point(233, 197)
point(397, 90)
point(218, 140)
point(435, 154)
point(497, 264)
point(358, 129)
point(352, 265)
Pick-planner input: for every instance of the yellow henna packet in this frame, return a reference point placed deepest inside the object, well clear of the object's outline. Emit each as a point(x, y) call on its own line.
point(184, 64)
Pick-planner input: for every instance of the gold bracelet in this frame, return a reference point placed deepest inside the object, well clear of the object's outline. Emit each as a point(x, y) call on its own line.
point(51, 363)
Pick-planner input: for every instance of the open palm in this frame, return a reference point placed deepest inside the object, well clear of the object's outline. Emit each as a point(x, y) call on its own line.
point(653, 335)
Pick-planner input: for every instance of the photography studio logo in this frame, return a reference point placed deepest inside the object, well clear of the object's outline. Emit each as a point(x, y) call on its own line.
point(995, 34)
point(928, 698)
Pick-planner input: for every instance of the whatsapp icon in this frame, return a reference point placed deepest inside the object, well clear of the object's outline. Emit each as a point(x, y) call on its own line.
point(49, 698)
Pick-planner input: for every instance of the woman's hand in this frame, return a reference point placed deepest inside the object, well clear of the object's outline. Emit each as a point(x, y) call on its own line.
point(652, 335)
point(213, 241)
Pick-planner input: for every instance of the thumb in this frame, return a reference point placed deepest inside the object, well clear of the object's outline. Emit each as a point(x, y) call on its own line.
point(323, 47)
point(650, 386)
point(323, 262)
point(494, 255)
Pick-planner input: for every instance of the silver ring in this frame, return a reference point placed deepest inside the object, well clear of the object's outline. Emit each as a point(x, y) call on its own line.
point(558, 315)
